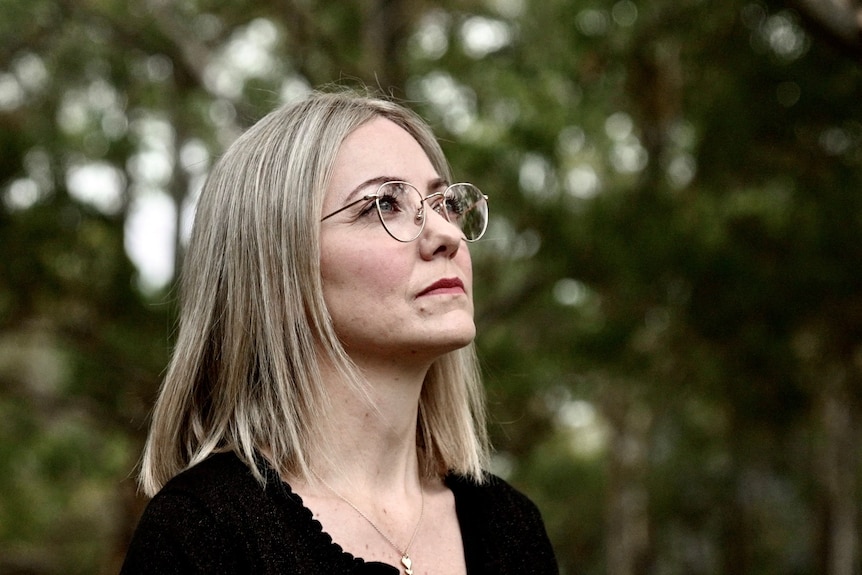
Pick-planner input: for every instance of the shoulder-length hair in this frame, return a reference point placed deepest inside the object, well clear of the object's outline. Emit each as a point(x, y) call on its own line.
point(254, 331)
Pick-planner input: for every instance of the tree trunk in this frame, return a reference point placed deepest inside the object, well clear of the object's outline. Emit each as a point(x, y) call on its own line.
point(837, 474)
point(627, 523)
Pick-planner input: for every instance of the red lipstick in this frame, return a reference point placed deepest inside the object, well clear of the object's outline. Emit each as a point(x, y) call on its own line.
point(444, 286)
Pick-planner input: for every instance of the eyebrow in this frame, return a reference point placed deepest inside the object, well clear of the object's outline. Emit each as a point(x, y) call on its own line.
point(437, 183)
point(378, 181)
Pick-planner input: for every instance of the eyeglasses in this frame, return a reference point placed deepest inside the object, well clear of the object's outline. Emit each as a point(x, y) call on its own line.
point(401, 209)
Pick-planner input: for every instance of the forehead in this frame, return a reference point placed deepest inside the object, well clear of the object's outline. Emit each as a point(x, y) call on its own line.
point(381, 147)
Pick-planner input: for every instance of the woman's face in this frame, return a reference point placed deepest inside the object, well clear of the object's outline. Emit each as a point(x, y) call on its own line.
point(391, 300)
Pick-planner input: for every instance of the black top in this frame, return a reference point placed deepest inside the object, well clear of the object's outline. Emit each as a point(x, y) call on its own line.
point(216, 518)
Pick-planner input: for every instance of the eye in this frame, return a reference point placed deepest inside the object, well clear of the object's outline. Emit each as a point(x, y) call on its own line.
point(388, 203)
point(391, 198)
point(368, 208)
point(455, 205)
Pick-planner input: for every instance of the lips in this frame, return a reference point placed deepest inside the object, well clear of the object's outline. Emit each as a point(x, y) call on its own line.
point(445, 285)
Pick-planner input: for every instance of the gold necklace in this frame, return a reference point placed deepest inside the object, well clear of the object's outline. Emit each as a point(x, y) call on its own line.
point(406, 561)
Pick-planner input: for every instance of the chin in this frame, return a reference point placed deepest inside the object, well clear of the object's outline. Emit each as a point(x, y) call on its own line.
point(429, 354)
point(433, 343)
point(458, 339)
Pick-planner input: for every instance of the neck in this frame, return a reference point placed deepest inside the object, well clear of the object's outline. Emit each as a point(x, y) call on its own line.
point(374, 444)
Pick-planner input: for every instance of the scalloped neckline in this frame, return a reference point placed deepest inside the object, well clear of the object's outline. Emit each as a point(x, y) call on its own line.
point(325, 536)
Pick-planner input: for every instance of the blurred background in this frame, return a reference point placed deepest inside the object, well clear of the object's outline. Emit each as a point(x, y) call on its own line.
point(669, 298)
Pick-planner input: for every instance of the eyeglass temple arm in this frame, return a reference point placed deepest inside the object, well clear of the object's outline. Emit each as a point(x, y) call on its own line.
point(350, 205)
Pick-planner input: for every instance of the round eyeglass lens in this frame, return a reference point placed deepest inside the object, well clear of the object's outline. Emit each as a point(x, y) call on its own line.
point(400, 207)
point(467, 208)
point(398, 204)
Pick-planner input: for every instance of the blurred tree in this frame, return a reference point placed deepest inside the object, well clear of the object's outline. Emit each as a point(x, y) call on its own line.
point(838, 20)
point(670, 313)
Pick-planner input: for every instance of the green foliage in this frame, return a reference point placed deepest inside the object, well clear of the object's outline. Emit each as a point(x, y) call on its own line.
point(668, 298)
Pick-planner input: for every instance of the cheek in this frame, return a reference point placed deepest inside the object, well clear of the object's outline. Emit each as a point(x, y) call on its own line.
point(352, 276)
point(364, 293)
point(466, 265)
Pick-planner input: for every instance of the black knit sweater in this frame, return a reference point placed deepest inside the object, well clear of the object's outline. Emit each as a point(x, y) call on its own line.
point(215, 518)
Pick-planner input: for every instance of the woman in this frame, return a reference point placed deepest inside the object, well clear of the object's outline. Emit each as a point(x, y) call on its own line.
point(322, 412)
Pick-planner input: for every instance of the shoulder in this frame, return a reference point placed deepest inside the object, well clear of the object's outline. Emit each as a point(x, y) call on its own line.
point(502, 528)
point(181, 530)
point(494, 495)
point(226, 489)
point(222, 486)
point(218, 478)
point(213, 517)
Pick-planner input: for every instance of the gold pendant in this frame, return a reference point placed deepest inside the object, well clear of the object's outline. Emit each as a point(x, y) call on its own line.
point(408, 564)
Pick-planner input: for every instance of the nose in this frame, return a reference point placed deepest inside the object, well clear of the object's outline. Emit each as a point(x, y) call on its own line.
point(439, 236)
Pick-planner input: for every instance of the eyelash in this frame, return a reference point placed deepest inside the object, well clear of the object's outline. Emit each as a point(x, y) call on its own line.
point(368, 209)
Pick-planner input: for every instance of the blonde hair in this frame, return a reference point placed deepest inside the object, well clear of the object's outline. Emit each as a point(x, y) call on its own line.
point(254, 330)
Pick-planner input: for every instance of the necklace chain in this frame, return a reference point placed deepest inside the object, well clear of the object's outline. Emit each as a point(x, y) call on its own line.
point(406, 561)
